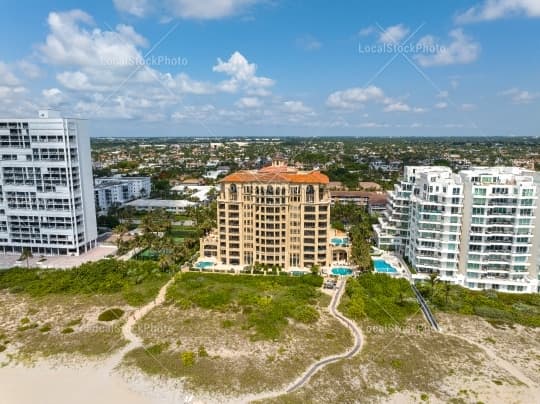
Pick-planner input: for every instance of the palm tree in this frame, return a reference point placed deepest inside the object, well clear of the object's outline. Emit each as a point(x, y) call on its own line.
point(26, 254)
point(433, 279)
point(120, 231)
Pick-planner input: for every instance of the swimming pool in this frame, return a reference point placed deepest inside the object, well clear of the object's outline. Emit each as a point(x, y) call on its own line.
point(384, 267)
point(340, 241)
point(204, 264)
point(342, 271)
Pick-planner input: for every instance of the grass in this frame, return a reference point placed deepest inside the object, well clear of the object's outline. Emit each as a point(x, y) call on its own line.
point(495, 307)
point(138, 282)
point(250, 333)
point(267, 302)
point(380, 298)
point(111, 314)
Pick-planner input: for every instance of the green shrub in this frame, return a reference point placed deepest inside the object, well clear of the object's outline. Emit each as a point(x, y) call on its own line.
point(2, 348)
point(73, 323)
point(379, 297)
point(227, 323)
point(67, 330)
point(265, 302)
point(138, 280)
point(202, 352)
point(188, 358)
point(111, 314)
point(305, 314)
point(27, 327)
point(25, 320)
point(156, 349)
point(45, 328)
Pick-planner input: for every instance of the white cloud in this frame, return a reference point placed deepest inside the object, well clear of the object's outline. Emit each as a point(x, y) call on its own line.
point(356, 97)
point(520, 96)
point(296, 107)
point(441, 105)
point(7, 77)
point(397, 107)
point(308, 43)
point(249, 102)
point(187, 9)
point(460, 50)
point(138, 8)
point(468, 107)
point(242, 74)
point(52, 96)
point(394, 34)
point(491, 10)
point(30, 70)
point(366, 31)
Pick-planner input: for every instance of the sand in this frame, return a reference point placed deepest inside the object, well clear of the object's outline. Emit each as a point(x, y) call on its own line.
point(91, 383)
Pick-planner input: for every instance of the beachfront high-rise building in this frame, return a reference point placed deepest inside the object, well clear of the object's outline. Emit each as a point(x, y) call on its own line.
point(46, 189)
point(275, 216)
point(477, 228)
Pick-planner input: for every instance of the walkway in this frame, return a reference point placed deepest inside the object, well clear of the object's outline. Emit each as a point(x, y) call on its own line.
point(135, 341)
point(424, 307)
point(315, 367)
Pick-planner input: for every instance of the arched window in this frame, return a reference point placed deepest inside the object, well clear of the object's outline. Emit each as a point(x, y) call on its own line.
point(233, 188)
point(270, 190)
point(310, 194)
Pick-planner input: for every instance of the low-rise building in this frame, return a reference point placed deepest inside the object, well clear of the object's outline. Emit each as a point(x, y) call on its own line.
point(170, 205)
point(117, 190)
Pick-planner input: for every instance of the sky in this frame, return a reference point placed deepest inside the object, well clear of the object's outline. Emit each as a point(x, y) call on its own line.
point(276, 67)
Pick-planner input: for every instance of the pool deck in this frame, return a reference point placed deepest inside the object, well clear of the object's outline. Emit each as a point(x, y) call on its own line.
point(395, 261)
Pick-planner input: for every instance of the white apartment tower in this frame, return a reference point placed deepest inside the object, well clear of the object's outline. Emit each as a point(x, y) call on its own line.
point(476, 228)
point(46, 189)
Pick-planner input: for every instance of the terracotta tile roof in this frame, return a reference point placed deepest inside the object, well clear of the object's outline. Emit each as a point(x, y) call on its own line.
point(312, 177)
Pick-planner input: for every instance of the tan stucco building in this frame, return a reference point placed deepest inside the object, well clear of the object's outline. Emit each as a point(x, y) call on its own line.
point(276, 216)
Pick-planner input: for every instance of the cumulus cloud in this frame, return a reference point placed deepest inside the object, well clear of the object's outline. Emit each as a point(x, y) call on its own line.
point(394, 34)
point(490, 10)
point(242, 74)
point(397, 107)
point(441, 105)
point(520, 96)
point(356, 97)
point(461, 49)
point(249, 102)
point(296, 107)
point(186, 9)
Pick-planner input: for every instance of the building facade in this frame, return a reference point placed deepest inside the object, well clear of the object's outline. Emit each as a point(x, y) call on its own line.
point(275, 216)
point(46, 192)
point(117, 190)
point(476, 228)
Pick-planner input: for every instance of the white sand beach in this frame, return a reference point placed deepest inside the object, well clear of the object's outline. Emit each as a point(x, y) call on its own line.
point(46, 383)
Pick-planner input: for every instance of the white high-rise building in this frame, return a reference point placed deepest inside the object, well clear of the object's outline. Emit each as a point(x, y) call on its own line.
point(435, 212)
point(476, 228)
point(46, 188)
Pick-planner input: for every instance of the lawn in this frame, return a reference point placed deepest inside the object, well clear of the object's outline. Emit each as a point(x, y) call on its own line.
point(496, 307)
point(179, 233)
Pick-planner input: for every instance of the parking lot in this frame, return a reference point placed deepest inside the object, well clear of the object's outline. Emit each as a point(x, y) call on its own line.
point(100, 252)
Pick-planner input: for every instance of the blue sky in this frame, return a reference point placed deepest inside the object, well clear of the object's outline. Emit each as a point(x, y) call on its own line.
point(276, 67)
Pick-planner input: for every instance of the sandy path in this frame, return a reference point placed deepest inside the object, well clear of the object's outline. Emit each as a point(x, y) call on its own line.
point(315, 367)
